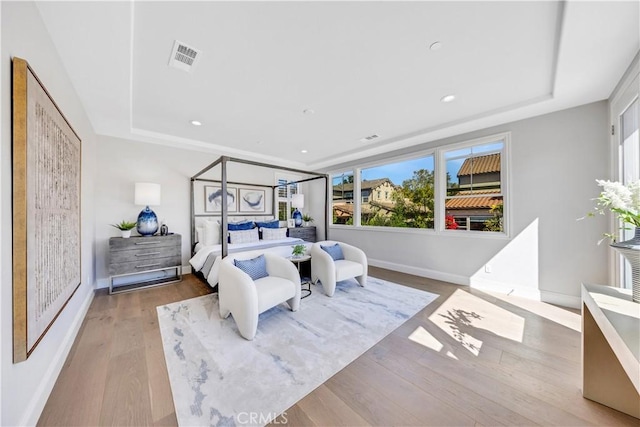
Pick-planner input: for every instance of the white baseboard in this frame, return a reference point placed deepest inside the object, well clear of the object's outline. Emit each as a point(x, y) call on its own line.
point(36, 406)
point(561, 299)
point(102, 283)
point(422, 272)
point(502, 288)
point(482, 284)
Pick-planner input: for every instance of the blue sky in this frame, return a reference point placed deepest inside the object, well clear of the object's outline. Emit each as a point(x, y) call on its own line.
point(400, 171)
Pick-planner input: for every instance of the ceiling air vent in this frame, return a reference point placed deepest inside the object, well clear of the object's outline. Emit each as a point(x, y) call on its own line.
point(184, 57)
point(370, 138)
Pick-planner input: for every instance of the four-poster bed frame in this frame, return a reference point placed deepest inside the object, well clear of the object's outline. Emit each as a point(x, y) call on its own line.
point(223, 182)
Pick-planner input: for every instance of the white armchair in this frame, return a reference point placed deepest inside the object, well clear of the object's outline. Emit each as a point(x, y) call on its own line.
point(245, 298)
point(328, 271)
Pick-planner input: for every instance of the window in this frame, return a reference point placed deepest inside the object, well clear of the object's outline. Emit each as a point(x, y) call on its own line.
point(629, 165)
point(474, 191)
point(342, 203)
point(468, 192)
point(408, 188)
point(285, 190)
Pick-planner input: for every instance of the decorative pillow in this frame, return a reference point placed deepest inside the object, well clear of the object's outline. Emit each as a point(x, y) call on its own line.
point(274, 233)
point(335, 251)
point(244, 236)
point(236, 226)
point(269, 224)
point(200, 234)
point(256, 268)
point(211, 234)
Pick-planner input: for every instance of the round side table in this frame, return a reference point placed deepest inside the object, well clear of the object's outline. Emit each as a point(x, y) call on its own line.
point(297, 261)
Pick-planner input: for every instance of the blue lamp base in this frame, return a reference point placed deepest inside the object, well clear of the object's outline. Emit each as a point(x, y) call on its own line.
point(297, 216)
point(147, 222)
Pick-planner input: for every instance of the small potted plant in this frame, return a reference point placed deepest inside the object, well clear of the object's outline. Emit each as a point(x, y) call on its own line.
point(298, 251)
point(307, 219)
point(125, 228)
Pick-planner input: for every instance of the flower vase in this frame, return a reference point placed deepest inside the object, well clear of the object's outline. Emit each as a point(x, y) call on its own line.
point(125, 233)
point(630, 249)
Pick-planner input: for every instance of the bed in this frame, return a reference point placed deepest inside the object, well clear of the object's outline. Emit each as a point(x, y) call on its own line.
point(207, 259)
point(222, 212)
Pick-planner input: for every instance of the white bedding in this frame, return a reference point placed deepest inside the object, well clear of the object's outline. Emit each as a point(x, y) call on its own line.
point(202, 257)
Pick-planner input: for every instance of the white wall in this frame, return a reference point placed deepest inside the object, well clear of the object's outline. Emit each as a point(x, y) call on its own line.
point(26, 386)
point(122, 164)
point(125, 162)
point(555, 160)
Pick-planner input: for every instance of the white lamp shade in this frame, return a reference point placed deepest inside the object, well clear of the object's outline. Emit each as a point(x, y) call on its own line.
point(297, 201)
point(147, 194)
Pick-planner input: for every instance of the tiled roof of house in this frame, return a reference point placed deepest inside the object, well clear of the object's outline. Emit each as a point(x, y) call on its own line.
point(346, 209)
point(481, 164)
point(481, 201)
point(365, 185)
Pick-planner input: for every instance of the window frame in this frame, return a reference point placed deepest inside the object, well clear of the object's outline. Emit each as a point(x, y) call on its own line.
point(287, 199)
point(505, 179)
point(440, 183)
point(625, 94)
point(356, 191)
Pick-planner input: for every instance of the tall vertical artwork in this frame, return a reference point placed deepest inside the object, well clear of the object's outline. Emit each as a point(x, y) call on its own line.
point(46, 211)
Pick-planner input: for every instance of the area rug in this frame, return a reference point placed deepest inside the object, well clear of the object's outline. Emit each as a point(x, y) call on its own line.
point(220, 379)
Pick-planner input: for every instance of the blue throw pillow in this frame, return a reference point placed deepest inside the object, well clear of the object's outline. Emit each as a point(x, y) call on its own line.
point(239, 226)
point(269, 224)
point(256, 268)
point(335, 251)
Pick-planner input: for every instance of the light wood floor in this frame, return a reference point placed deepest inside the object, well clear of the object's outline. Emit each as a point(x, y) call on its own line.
point(472, 359)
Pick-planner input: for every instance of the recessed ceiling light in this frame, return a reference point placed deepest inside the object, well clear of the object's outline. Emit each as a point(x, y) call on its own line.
point(308, 111)
point(304, 151)
point(435, 45)
point(448, 98)
point(196, 123)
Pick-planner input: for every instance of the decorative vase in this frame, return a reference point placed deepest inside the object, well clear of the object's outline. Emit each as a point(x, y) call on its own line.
point(630, 249)
point(147, 222)
point(297, 217)
point(125, 233)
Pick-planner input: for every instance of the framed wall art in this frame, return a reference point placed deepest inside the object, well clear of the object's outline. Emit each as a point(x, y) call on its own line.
point(46, 210)
point(213, 199)
point(252, 200)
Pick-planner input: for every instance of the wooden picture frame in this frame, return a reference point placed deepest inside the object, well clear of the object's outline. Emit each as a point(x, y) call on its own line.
point(213, 199)
point(252, 200)
point(47, 156)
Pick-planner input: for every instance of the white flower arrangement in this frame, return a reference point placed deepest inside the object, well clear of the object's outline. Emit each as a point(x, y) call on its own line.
point(622, 200)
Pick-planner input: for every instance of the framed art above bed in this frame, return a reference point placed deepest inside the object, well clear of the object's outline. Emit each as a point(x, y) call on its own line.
point(213, 199)
point(252, 200)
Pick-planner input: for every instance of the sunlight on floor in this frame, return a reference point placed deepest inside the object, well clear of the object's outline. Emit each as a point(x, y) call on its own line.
point(559, 315)
point(424, 338)
point(462, 315)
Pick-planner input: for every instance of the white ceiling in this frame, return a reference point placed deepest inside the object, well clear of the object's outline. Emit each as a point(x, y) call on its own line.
point(363, 67)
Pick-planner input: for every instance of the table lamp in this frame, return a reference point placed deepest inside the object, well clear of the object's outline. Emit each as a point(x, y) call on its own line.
point(147, 194)
point(297, 201)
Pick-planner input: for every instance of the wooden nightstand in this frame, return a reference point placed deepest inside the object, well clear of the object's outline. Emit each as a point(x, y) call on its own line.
point(304, 233)
point(140, 262)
